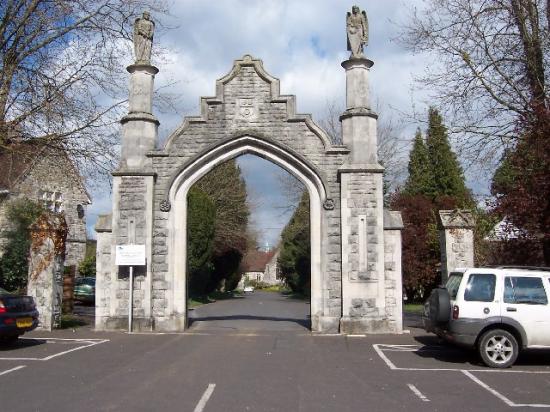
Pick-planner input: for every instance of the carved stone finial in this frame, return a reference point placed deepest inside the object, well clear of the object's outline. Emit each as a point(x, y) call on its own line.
point(357, 27)
point(165, 205)
point(144, 29)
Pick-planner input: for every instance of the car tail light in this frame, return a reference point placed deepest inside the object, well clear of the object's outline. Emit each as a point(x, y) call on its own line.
point(9, 321)
point(456, 311)
point(2, 307)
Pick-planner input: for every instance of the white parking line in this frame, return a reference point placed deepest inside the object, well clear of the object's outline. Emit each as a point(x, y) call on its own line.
point(381, 348)
point(501, 396)
point(12, 370)
point(87, 343)
point(205, 396)
point(415, 390)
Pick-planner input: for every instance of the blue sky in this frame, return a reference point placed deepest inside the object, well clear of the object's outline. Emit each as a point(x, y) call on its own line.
point(302, 42)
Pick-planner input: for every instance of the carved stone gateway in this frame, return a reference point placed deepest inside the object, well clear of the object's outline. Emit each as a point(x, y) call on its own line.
point(355, 244)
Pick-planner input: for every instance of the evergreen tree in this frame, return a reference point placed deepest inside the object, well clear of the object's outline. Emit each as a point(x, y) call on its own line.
point(448, 177)
point(226, 191)
point(201, 217)
point(295, 258)
point(420, 180)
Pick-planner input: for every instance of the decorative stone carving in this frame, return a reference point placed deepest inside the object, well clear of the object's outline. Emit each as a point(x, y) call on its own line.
point(329, 204)
point(459, 218)
point(144, 29)
point(165, 205)
point(357, 26)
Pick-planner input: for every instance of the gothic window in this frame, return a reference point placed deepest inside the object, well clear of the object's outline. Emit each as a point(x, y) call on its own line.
point(52, 201)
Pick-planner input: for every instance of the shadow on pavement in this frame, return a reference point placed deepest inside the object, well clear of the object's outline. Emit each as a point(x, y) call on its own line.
point(306, 323)
point(435, 348)
point(21, 344)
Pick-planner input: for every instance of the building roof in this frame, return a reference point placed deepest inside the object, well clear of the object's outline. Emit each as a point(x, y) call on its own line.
point(506, 230)
point(256, 260)
point(18, 159)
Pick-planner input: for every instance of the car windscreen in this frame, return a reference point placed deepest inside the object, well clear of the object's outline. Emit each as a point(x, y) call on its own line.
point(453, 283)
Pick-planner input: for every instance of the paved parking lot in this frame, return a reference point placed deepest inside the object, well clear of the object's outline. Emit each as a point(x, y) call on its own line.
point(232, 365)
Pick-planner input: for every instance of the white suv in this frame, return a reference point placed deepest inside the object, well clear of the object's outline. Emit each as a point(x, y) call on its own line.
point(497, 310)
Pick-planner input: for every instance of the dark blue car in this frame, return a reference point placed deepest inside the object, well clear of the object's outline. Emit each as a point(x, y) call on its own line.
point(18, 315)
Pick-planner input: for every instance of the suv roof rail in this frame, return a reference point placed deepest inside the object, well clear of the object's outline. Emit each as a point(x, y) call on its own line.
point(540, 268)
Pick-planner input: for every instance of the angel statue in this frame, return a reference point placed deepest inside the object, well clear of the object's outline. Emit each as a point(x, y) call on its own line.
point(144, 28)
point(357, 27)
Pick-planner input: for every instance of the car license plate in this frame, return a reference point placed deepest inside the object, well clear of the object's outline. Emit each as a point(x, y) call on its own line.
point(24, 322)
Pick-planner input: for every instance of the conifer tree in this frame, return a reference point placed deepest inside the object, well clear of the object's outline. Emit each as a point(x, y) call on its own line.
point(420, 180)
point(294, 258)
point(448, 177)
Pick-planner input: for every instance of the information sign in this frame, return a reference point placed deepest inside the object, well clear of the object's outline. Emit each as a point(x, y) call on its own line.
point(130, 255)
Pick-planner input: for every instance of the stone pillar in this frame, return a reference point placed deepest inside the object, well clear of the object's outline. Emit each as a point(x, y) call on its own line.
point(132, 217)
point(393, 225)
point(456, 239)
point(47, 256)
point(362, 211)
point(105, 272)
point(139, 126)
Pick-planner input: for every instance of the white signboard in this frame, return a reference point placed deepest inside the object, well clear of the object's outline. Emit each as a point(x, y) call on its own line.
point(130, 255)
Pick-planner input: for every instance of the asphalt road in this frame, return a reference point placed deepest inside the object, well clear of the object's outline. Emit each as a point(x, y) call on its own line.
point(255, 354)
point(258, 311)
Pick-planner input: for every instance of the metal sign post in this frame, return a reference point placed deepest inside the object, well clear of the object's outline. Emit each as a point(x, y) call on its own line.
point(131, 299)
point(130, 255)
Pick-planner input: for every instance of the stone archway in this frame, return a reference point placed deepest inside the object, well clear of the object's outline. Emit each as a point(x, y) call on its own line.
point(198, 167)
point(356, 268)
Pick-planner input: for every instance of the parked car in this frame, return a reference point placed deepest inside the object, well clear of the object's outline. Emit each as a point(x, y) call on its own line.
point(498, 311)
point(248, 289)
point(84, 289)
point(18, 315)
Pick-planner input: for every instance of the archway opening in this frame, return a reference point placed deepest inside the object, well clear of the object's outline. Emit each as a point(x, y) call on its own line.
point(248, 248)
point(184, 197)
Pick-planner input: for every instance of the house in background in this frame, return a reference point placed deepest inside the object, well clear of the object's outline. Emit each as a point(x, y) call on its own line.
point(260, 266)
point(271, 271)
point(46, 175)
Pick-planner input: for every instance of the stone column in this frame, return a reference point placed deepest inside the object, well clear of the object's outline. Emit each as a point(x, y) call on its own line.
point(47, 256)
point(105, 272)
point(139, 126)
point(456, 239)
point(393, 225)
point(362, 210)
point(132, 218)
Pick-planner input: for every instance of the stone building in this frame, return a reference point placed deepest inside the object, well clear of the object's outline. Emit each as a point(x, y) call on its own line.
point(260, 266)
point(48, 176)
point(271, 271)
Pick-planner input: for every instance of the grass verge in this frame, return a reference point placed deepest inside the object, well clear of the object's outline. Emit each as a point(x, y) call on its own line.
point(416, 308)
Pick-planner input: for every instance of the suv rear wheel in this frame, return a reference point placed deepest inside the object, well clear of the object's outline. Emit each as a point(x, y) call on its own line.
point(498, 348)
point(440, 306)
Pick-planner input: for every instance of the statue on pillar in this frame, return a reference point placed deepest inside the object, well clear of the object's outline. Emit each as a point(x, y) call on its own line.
point(357, 27)
point(144, 28)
